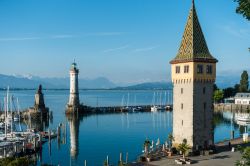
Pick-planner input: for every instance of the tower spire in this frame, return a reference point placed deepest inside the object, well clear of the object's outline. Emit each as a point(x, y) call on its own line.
point(193, 45)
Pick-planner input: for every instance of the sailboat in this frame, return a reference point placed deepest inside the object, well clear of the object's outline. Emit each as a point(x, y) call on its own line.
point(17, 116)
point(154, 108)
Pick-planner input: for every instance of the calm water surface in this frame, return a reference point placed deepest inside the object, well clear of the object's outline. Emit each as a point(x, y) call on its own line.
point(94, 137)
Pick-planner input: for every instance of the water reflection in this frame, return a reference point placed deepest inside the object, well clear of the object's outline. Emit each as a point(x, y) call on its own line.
point(74, 124)
point(39, 124)
point(125, 133)
point(232, 124)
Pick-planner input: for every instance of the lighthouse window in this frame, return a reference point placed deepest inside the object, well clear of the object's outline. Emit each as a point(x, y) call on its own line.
point(209, 69)
point(177, 69)
point(199, 69)
point(186, 69)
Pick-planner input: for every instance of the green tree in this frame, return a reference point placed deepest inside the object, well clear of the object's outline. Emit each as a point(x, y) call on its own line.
point(215, 87)
point(243, 8)
point(183, 148)
point(229, 92)
point(218, 95)
point(245, 158)
point(244, 82)
point(237, 88)
point(170, 139)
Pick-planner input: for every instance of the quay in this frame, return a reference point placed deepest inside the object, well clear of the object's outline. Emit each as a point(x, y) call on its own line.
point(231, 107)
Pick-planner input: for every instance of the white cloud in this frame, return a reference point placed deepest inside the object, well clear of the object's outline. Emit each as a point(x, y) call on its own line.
point(145, 49)
point(19, 39)
point(116, 49)
point(239, 33)
point(104, 34)
point(62, 36)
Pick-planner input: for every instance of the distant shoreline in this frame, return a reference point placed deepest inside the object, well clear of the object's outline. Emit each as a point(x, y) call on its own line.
point(111, 89)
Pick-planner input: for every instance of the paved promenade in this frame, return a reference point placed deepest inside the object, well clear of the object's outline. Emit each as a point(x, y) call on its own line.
point(224, 157)
point(221, 159)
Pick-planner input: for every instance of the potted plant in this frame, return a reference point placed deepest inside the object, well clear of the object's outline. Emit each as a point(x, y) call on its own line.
point(183, 148)
point(170, 143)
point(146, 145)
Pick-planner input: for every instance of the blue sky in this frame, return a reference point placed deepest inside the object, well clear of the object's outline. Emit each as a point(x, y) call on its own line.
point(123, 40)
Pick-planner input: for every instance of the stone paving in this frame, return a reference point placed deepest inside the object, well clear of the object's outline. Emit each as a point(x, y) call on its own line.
point(224, 157)
point(221, 159)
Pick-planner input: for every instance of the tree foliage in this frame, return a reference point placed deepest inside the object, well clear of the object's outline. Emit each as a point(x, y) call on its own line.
point(244, 82)
point(245, 158)
point(11, 161)
point(218, 95)
point(243, 8)
point(170, 139)
point(229, 92)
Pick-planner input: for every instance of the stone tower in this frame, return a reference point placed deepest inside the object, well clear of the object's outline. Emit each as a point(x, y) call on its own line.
point(193, 75)
point(74, 103)
point(39, 100)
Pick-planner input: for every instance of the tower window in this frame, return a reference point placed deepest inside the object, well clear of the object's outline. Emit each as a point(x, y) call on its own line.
point(177, 69)
point(204, 90)
point(181, 90)
point(199, 69)
point(205, 106)
point(182, 106)
point(182, 122)
point(204, 114)
point(186, 69)
point(209, 69)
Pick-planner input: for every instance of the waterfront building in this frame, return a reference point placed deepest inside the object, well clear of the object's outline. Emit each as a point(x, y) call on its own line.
point(74, 103)
point(242, 98)
point(193, 76)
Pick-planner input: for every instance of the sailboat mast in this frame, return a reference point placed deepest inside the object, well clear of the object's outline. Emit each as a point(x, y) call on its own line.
point(128, 100)
point(7, 108)
point(18, 111)
point(5, 124)
point(11, 114)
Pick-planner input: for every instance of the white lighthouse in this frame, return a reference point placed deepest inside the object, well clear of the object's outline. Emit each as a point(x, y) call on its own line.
point(73, 103)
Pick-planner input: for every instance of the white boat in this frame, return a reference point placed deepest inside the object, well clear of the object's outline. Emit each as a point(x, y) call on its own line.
point(154, 108)
point(16, 118)
point(244, 117)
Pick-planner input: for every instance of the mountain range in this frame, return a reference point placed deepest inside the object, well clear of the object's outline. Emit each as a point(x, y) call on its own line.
point(32, 82)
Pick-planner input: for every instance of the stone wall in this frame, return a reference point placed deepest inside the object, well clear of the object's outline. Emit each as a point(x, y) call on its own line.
point(203, 114)
point(192, 113)
point(183, 117)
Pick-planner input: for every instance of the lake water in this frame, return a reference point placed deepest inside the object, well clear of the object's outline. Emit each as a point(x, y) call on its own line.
point(94, 137)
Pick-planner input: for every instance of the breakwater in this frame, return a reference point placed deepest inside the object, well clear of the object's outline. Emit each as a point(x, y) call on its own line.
point(119, 109)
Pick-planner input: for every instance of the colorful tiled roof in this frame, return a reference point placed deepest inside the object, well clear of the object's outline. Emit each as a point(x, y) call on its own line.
point(193, 45)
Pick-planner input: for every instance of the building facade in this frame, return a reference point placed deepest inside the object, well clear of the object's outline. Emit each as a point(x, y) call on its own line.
point(242, 98)
point(193, 75)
